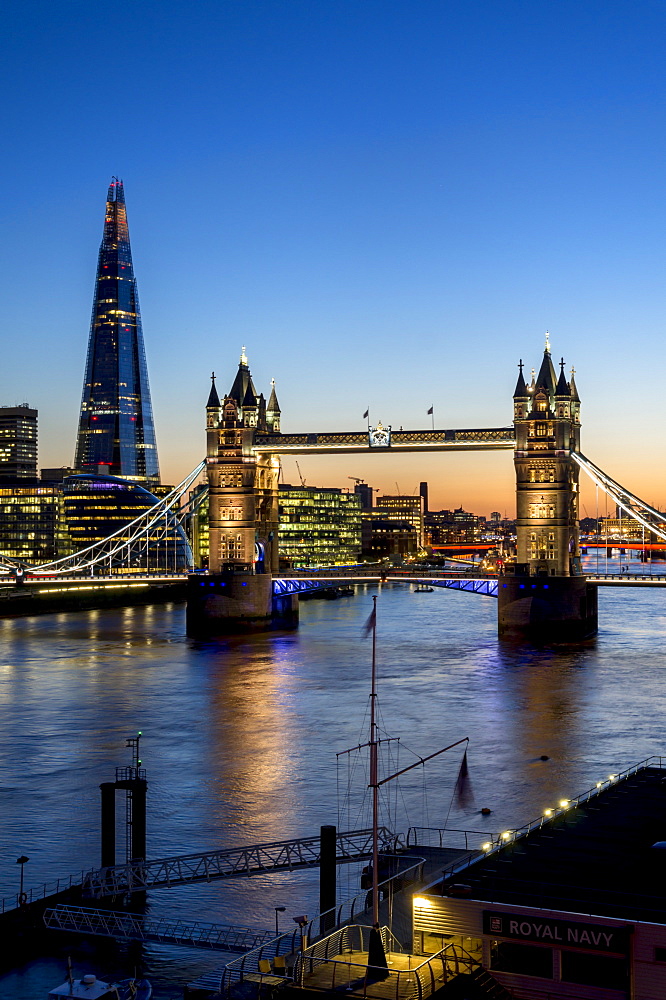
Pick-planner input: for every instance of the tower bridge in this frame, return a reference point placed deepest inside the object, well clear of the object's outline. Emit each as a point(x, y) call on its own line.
point(544, 594)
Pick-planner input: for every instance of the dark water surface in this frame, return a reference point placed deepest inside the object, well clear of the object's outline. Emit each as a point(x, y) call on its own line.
point(240, 737)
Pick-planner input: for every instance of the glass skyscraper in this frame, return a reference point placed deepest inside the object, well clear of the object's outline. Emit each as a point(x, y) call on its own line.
point(116, 431)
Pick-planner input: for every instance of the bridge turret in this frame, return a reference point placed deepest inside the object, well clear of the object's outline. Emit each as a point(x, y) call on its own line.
point(243, 514)
point(545, 593)
point(273, 411)
point(547, 477)
point(521, 396)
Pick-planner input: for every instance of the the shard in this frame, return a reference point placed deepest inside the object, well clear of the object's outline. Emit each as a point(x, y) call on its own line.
point(116, 431)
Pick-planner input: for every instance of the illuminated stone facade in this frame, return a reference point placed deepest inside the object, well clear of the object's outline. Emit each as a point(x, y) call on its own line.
point(243, 484)
point(547, 426)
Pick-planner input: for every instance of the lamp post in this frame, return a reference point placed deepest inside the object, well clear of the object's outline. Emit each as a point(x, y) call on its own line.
point(278, 909)
point(21, 861)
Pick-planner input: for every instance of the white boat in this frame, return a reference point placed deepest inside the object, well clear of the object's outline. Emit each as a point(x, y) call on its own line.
point(89, 987)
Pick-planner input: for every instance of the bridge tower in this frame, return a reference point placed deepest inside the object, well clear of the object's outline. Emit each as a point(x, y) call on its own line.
point(545, 595)
point(237, 593)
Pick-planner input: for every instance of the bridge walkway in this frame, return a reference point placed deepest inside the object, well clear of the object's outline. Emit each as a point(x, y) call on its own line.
point(136, 927)
point(228, 863)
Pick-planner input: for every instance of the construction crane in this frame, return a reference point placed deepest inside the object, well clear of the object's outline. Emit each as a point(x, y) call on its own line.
point(300, 475)
point(356, 479)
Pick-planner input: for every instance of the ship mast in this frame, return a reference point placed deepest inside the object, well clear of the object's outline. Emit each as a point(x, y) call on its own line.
point(374, 776)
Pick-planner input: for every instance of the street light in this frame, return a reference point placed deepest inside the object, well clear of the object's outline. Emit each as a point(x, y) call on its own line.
point(278, 909)
point(21, 861)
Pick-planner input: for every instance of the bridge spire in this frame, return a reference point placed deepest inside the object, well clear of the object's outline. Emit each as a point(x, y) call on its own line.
point(546, 377)
point(213, 398)
point(572, 386)
point(562, 384)
point(273, 410)
point(521, 388)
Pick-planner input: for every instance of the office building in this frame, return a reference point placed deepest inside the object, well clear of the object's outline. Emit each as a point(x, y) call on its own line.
point(33, 525)
point(18, 442)
point(98, 506)
point(318, 527)
point(407, 509)
point(390, 539)
point(624, 527)
point(116, 433)
point(445, 527)
point(365, 493)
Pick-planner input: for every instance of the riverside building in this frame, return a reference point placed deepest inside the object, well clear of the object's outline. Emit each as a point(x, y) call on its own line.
point(570, 906)
point(33, 525)
point(96, 507)
point(18, 442)
point(318, 527)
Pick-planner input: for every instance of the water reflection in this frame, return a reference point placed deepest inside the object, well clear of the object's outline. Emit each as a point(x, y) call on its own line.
point(240, 736)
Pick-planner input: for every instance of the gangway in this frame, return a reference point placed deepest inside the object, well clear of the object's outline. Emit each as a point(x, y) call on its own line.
point(136, 927)
point(229, 863)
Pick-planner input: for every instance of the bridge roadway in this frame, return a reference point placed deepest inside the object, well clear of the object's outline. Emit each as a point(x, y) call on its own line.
point(467, 578)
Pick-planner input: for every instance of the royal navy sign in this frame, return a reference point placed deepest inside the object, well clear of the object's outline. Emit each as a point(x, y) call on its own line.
point(565, 933)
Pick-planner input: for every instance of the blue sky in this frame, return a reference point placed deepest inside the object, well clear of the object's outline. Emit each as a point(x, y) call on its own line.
point(387, 202)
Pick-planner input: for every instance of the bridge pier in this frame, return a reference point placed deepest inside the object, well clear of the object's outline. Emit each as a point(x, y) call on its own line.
point(224, 603)
point(229, 602)
point(546, 609)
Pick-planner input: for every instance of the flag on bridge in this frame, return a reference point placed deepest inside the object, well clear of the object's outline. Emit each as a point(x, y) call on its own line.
point(366, 414)
point(431, 410)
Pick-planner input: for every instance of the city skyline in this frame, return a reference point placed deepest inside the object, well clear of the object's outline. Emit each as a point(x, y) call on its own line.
point(387, 204)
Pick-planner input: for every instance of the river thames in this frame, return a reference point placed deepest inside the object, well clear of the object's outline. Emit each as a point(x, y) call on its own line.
point(240, 738)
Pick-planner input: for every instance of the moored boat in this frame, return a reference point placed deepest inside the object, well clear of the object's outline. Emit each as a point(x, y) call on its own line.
point(89, 987)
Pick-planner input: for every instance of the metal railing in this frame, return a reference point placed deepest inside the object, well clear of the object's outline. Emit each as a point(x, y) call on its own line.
point(431, 836)
point(324, 967)
point(228, 863)
point(288, 944)
point(138, 927)
point(550, 815)
point(33, 894)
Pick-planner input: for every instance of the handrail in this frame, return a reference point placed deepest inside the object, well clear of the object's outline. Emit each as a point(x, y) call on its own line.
point(35, 893)
point(289, 942)
point(565, 806)
point(417, 982)
point(413, 836)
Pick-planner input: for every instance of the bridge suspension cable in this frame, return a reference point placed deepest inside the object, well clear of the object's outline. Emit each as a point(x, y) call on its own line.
point(650, 518)
point(131, 543)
